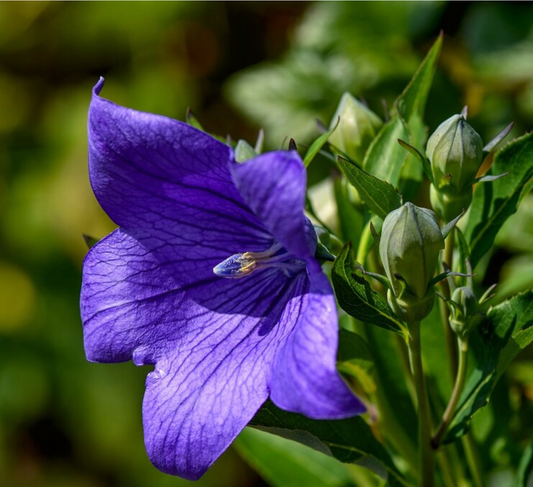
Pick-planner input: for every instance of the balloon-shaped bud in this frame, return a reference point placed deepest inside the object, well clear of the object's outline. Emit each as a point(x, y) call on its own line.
point(410, 243)
point(455, 151)
point(358, 125)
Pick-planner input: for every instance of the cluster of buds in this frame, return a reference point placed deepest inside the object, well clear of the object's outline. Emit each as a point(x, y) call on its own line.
point(455, 152)
point(466, 311)
point(357, 127)
point(410, 243)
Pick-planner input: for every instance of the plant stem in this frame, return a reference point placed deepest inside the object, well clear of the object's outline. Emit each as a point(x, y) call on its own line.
point(365, 242)
point(444, 311)
point(426, 453)
point(472, 459)
point(456, 394)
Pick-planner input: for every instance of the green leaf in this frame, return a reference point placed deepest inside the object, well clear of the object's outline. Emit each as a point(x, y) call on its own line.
point(493, 203)
point(348, 440)
point(89, 241)
point(380, 197)
point(416, 163)
point(413, 99)
point(351, 218)
point(356, 296)
point(398, 419)
point(385, 158)
point(315, 147)
point(284, 463)
point(507, 329)
point(191, 119)
point(354, 358)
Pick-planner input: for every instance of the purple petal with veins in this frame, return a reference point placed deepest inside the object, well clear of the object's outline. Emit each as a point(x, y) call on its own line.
point(211, 279)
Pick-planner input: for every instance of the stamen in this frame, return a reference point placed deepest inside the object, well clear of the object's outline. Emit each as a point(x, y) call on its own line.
point(241, 265)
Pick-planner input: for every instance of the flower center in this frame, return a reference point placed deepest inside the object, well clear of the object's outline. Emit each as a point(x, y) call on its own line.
point(241, 265)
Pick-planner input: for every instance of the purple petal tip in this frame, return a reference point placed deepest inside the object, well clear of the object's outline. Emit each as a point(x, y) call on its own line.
point(98, 86)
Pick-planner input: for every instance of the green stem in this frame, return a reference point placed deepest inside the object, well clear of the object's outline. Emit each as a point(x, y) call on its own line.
point(456, 394)
point(446, 469)
point(444, 311)
point(426, 453)
point(472, 459)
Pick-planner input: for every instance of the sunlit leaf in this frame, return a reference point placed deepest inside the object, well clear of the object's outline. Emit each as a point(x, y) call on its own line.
point(356, 296)
point(285, 463)
point(413, 98)
point(493, 203)
point(385, 158)
point(507, 329)
point(380, 197)
point(318, 144)
point(348, 440)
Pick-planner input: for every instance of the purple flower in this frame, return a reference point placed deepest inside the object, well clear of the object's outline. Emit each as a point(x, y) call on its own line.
point(211, 278)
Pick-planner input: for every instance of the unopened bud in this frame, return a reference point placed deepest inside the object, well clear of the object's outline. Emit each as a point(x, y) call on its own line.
point(244, 151)
point(357, 127)
point(464, 311)
point(410, 243)
point(455, 151)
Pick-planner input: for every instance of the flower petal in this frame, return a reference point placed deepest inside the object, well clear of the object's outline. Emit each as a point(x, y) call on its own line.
point(206, 389)
point(274, 185)
point(305, 379)
point(135, 300)
point(166, 181)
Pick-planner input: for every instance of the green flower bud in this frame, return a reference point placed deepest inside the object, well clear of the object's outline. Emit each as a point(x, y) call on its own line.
point(357, 127)
point(455, 151)
point(464, 311)
point(410, 243)
point(244, 151)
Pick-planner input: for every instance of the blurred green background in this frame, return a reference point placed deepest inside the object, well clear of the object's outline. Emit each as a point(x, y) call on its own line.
point(240, 67)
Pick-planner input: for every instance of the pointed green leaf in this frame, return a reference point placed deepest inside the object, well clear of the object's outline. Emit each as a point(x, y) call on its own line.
point(315, 147)
point(351, 218)
point(89, 241)
point(285, 463)
point(413, 98)
point(348, 440)
point(494, 142)
point(451, 225)
point(489, 178)
point(191, 119)
point(380, 197)
point(357, 297)
point(493, 203)
point(258, 148)
point(385, 158)
point(507, 329)
point(422, 160)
